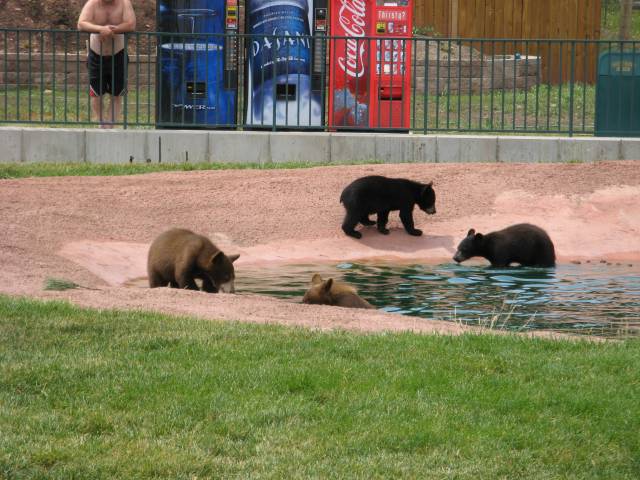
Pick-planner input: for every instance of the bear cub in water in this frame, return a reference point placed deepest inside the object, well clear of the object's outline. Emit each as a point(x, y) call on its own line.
point(178, 257)
point(332, 292)
point(381, 195)
point(526, 244)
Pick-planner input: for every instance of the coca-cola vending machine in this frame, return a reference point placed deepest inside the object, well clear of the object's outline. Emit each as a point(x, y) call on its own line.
point(370, 64)
point(285, 66)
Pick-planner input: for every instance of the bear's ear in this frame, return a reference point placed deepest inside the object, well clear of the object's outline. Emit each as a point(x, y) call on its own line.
point(217, 257)
point(327, 285)
point(233, 258)
point(316, 279)
point(430, 184)
point(478, 237)
point(471, 232)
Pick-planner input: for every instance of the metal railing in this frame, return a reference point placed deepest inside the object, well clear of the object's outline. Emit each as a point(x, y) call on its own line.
point(454, 85)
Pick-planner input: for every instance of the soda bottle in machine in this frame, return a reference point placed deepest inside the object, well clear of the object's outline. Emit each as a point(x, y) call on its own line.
point(279, 56)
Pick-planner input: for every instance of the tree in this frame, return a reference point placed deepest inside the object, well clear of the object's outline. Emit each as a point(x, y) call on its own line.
point(625, 19)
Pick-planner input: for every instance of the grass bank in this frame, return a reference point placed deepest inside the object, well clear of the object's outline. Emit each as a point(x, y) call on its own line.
point(23, 170)
point(538, 108)
point(88, 394)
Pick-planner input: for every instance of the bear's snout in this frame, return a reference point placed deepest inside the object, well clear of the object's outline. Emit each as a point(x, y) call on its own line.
point(458, 257)
point(431, 210)
point(227, 287)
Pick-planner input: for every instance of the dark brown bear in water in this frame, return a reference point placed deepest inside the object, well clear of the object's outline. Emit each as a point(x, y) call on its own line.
point(178, 257)
point(381, 195)
point(526, 244)
point(333, 292)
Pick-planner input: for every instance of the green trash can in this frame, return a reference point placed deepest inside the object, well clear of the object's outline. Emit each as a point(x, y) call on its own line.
point(618, 95)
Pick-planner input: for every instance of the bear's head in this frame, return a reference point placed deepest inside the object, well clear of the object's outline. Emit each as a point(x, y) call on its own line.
point(427, 199)
point(221, 272)
point(328, 292)
point(469, 247)
point(320, 291)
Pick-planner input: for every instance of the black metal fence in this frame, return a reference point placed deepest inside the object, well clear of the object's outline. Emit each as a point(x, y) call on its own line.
point(452, 85)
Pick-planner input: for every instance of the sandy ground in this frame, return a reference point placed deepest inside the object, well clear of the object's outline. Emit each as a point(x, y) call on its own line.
point(96, 230)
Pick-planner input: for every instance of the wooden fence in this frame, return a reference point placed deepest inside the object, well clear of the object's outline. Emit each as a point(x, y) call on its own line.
point(522, 19)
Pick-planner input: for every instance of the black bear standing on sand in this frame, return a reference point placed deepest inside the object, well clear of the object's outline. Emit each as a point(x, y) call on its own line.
point(381, 195)
point(526, 244)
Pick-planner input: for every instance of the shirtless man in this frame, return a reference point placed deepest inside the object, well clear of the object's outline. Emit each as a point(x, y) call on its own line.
point(107, 20)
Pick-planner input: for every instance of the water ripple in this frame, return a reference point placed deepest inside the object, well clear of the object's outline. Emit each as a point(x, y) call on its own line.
point(593, 298)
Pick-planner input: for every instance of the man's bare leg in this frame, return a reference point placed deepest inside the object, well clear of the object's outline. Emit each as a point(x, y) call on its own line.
point(100, 115)
point(97, 112)
point(115, 107)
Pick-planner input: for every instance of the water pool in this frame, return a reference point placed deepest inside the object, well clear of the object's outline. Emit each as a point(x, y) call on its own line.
point(590, 298)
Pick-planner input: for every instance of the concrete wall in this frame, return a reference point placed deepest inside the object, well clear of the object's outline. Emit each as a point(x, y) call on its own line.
point(178, 146)
point(42, 69)
point(457, 69)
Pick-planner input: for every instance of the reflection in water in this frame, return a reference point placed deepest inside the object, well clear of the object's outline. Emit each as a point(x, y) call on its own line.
point(595, 299)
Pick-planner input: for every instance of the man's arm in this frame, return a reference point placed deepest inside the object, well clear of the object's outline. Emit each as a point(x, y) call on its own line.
point(85, 22)
point(128, 23)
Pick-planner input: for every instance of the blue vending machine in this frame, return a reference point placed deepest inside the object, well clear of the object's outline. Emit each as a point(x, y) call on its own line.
point(197, 77)
point(285, 63)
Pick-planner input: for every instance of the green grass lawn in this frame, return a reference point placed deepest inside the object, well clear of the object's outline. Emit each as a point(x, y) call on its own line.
point(88, 394)
point(67, 107)
point(611, 21)
point(539, 108)
point(23, 170)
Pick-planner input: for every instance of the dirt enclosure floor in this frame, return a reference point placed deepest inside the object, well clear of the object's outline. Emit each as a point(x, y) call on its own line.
point(95, 231)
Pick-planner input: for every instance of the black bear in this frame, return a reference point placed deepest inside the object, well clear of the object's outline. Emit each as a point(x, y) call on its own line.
point(381, 195)
point(526, 244)
point(178, 257)
point(333, 292)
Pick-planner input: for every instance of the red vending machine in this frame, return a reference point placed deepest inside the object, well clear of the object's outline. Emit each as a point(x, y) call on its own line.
point(370, 64)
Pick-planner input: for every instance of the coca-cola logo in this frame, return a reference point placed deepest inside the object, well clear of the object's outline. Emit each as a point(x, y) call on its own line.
point(352, 20)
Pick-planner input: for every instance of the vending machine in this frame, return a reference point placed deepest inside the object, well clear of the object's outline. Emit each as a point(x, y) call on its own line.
point(285, 63)
point(197, 80)
point(370, 64)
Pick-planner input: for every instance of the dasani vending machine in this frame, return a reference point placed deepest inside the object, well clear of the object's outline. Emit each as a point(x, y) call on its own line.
point(285, 68)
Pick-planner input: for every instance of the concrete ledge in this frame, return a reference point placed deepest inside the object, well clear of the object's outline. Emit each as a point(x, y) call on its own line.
point(116, 146)
point(11, 141)
point(239, 147)
point(423, 149)
point(314, 147)
point(393, 148)
point(630, 148)
point(466, 148)
point(59, 145)
point(528, 149)
point(354, 147)
point(588, 149)
point(176, 146)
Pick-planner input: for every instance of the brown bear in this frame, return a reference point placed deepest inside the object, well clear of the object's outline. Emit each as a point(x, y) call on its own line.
point(333, 292)
point(178, 257)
